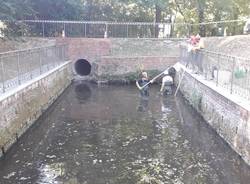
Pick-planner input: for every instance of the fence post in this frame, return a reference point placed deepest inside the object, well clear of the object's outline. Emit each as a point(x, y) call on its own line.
point(18, 68)
point(2, 71)
point(106, 31)
point(64, 28)
point(205, 64)
point(30, 52)
point(127, 31)
point(47, 58)
point(85, 30)
point(217, 75)
point(40, 61)
point(232, 80)
point(43, 29)
point(56, 56)
point(63, 53)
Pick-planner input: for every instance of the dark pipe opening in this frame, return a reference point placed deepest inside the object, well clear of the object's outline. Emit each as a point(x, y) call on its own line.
point(82, 67)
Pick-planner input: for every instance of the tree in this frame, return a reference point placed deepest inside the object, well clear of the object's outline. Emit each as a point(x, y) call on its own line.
point(14, 9)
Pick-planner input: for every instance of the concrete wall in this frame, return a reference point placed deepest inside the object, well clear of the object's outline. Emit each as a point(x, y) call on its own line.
point(21, 107)
point(229, 118)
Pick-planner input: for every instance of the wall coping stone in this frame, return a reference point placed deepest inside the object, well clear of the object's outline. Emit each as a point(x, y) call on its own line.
point(220, 90)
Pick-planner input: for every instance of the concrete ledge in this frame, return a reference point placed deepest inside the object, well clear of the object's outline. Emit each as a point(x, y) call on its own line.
point(22, 106)
point(226, 113)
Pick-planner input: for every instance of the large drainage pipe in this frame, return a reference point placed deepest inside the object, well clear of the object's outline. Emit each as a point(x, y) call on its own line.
point(82, 67)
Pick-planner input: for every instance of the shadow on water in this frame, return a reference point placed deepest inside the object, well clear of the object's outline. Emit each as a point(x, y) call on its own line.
point(110, 135)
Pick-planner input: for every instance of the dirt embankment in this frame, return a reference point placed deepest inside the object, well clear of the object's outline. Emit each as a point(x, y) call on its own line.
point(24, 43)
point(231, 45)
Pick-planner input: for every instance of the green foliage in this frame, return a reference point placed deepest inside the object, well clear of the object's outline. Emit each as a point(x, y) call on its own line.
point(14, 9)
point(239, 74)
point(188, 11)
point(196, 100)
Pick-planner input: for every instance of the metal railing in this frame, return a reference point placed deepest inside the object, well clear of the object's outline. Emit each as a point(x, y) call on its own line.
point(102, 29)
point(17, 67)
point(229, 72)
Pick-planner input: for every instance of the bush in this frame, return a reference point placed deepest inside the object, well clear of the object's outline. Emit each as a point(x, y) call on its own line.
point(239, 74)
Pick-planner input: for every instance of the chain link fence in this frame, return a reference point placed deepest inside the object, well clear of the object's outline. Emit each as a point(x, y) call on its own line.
point(102, 29)
point(229, 72)
point(17, 67)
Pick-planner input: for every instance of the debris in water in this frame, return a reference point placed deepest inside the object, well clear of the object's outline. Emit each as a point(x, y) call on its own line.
point(24, 178)
point(95, 161)
point(50, 156)
point(9, 175)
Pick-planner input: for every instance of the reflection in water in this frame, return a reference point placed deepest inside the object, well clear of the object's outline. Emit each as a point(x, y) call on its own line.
point(83, 92)
point(143, 104)
point(109, 140)
point(165, 107)
point(51, 173)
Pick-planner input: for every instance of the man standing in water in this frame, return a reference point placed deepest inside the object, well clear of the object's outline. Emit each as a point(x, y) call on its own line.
point(141, 82)
point(143, 106)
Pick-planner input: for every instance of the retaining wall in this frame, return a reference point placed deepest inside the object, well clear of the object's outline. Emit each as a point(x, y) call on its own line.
point(127, 68)
point(227, 114)
point(21, 107)
point(120, 58)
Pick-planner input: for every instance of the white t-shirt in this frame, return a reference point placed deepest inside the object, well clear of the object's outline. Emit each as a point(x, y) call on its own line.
point(167, 78)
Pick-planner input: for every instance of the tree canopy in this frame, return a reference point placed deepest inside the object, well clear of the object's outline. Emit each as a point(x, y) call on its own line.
point(185, 11)
point(125, 10)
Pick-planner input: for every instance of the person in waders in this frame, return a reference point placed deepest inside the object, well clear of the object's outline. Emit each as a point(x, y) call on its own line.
point(144, 91)
point(168, 81)
point(141, 82)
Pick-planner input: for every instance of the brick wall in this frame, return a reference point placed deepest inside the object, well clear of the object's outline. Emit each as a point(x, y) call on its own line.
point(228, 118)
point(115, 66)
point(121, 57)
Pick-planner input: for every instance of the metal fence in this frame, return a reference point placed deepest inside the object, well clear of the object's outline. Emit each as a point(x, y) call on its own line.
point(17, 67)
point(101, 29)
point(229, 72)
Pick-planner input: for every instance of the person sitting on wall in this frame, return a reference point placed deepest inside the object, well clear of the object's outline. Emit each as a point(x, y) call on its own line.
point(198, 55)
point(141, 82)
point(198, 43)
point(191, 42)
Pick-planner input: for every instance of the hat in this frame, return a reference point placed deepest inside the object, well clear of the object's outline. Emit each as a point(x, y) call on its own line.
point(144, 74)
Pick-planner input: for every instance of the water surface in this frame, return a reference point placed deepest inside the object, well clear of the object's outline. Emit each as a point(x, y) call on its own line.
point(110, 135)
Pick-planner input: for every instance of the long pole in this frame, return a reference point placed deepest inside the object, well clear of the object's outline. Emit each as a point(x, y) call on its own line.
point(177, 89)
point(154, 78)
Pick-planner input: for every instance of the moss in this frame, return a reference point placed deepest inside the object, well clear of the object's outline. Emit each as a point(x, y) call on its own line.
point(196, 100)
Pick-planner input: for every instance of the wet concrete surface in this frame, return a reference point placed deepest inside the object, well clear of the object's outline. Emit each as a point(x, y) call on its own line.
point(110, 135)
